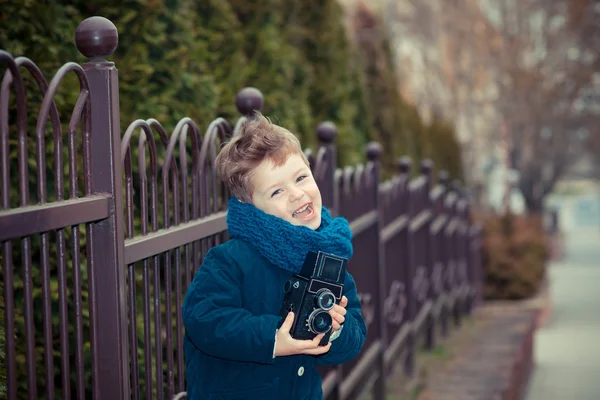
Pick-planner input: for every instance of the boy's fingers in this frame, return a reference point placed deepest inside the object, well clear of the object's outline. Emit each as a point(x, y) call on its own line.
point(344, 301)
point(339, 309)
point(335, 325)
point(338, 317)
point(310, 344)
point(318, 350)
point(287, 324)
point(317, 340)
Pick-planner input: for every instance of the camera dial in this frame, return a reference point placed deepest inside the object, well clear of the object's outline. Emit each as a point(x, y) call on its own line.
point(319, 321)
point(287, 286)
point(325, 299)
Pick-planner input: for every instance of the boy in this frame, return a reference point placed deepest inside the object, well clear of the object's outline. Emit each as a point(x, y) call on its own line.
point(236, 344)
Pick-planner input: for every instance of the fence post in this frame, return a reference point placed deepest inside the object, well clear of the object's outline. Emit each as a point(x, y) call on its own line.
point(479, 266)
point(476, 249)
point(467, 248)
point(411, 306)
point(327, 133)
point(426, 168)
point(457, 238)
point(97, 38)
point(443, 179)
point(373, 152)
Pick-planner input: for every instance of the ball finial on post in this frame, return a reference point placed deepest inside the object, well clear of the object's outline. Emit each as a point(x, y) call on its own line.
point(326, 132)
point(249, 100)
point(426, 167)
point(456, 186)
point(404, 164)
point(96, 38)
point(374, 151)
point(443, 178)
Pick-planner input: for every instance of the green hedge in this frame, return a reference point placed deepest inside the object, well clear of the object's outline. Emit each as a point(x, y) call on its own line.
point(181, 58)
point(187, 58)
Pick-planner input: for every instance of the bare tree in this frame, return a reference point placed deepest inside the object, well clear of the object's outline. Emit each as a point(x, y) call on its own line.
point(544, 66)
point(533, 63)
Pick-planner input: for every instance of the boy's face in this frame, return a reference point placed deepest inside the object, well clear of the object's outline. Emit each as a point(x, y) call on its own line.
point(288, 192)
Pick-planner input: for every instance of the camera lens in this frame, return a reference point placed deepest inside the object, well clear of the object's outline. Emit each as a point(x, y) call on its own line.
point(319, 321)
point(325, 299)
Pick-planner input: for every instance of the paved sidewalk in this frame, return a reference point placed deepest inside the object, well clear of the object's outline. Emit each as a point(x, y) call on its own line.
point(567, 348)
point(484, 369)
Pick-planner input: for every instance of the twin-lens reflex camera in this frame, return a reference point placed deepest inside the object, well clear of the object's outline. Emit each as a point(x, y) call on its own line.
point(311, 293)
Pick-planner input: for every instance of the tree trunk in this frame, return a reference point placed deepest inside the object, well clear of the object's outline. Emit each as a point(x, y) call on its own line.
point(534, 199)
point(534, 204)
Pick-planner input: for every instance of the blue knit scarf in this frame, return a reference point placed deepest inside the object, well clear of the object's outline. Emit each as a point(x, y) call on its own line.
point(284, 244)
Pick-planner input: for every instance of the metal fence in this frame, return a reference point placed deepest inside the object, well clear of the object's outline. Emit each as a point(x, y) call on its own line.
point(94, 276)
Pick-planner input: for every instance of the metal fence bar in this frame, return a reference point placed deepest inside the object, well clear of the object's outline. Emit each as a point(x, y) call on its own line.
point(417, 254)
point(36, 219)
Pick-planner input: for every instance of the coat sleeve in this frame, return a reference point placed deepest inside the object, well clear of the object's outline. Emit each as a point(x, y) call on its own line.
point(214, 319)
point(352, 337)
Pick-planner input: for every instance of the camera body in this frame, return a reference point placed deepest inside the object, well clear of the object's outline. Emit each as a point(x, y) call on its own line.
point(312, 293)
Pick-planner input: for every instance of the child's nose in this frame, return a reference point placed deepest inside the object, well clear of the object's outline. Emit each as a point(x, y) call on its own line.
point(296, 194)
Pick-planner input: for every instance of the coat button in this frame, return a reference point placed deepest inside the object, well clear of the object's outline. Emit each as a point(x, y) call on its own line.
point(300, 371)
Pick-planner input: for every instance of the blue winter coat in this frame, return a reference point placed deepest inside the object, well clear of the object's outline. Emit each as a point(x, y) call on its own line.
point(231, 314)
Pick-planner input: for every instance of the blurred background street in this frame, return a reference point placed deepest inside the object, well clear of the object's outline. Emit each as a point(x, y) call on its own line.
point(567, 355)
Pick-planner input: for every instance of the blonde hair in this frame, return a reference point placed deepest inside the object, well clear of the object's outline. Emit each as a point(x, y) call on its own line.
point(257, 140)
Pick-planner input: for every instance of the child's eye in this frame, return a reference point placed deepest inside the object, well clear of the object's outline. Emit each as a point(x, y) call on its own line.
point(276, 192)
point(302, 177)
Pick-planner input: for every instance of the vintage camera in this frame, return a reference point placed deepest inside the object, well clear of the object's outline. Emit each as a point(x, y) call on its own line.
point(312, 293)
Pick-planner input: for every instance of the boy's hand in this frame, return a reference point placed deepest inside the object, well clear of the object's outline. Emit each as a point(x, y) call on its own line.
point(338, 313)
point(286, 345)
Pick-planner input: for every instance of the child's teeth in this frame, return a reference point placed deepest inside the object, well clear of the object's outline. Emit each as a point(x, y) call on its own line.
point(301, 210)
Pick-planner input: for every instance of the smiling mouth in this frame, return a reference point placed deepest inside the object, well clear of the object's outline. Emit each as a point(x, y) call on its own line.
point(304, 212)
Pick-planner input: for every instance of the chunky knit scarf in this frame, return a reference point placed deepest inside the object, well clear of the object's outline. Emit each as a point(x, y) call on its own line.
point(284, 244)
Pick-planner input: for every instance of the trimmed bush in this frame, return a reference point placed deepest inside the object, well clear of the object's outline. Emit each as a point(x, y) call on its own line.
point(514, 256)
